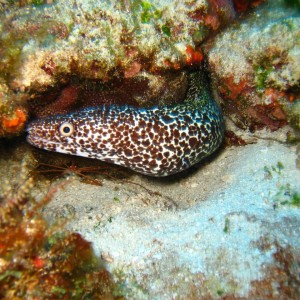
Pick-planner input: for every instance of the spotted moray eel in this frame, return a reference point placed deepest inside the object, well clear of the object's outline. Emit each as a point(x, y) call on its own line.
point(157, 141)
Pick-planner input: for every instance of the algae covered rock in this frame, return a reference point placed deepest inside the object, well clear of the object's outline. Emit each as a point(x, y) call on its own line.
point(48, 46)
point(13, 115)
point(91, 39)
point(256, 66)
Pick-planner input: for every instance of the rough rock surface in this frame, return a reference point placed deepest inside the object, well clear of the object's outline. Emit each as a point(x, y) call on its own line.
point(63, 47)
point(256, 66)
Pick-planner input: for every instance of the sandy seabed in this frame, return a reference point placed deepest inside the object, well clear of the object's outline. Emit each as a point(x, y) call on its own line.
point(212, 232)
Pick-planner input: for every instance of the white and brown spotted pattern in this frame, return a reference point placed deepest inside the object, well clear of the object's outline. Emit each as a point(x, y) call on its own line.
point(152, 141)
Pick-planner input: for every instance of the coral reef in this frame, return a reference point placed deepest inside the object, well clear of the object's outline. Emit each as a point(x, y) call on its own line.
point(93, 39)
point(58, 50)
point(256, 67)
point(12, 114)
point(227, 229)
point(39, 261)
point(58, 56)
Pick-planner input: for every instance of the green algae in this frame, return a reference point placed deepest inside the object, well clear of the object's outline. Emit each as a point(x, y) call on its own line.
point(116, 199)
point(270, 170)
point(38, 2)
point(286, 195)
point(261, 75)
point(148, 12)
point(295, 199)
point(227, 225)
point(141, 11)
point(200, 34)
point(166, 30)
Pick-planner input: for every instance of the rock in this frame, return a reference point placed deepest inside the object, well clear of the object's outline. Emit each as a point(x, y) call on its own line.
point(256, 67)
point(51, 54)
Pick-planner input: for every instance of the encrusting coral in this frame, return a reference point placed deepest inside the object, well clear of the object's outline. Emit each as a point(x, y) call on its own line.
point(39, 261)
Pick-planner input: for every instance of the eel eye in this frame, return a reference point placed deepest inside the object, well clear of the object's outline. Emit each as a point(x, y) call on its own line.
point(66, 129)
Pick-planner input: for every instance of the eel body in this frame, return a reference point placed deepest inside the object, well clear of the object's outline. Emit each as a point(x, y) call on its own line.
point(157, 141)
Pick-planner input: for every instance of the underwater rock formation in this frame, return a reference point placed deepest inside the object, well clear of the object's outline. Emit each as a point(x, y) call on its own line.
point(13, 115)
point(93, 39)
point(256, 66)
point(45, 48)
